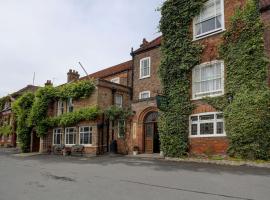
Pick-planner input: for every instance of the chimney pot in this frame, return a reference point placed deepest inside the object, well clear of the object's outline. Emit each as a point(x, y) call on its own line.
point(72, 75)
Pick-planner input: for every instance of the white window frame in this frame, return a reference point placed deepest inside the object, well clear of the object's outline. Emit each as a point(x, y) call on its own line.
point(212, 32)
point(60, 107)
point(141, 61)
point(215, 121)
point(67, 133)
point(56, 133)
point(115, 97)
point(116, 80)
point(213, 93)
point(144, 92)
point(90, 135)
point(70, 104)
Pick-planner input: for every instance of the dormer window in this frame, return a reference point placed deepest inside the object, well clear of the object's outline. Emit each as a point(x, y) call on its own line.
point(145, 65)
point(210, 20)
point(7, 105)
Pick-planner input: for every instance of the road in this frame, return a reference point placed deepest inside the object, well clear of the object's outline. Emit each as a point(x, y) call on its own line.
point(121, 178)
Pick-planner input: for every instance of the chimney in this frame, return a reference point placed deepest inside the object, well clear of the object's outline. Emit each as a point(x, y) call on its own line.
point(144, 42)
point(72, 75)
point(48, 83)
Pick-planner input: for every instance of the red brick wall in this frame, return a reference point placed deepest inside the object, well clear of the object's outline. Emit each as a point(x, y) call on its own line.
point(209, 145)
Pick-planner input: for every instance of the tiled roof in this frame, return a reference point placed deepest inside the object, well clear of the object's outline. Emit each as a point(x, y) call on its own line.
point(111, 70)
point(28, 88)
point(264, 4)
point(149, 45)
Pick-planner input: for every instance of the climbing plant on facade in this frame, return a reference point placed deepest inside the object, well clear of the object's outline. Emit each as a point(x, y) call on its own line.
point(21, 108)
point(47, 95)
point(247, 117)
point(179, 55)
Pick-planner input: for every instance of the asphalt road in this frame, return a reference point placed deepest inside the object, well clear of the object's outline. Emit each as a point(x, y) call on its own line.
point(121, 178)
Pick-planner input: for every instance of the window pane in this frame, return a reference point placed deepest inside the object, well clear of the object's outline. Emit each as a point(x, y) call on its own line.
point(206, 117)
point(206, 128)
point(194, 118)
point(194, 129)
point(209, 25)
point(220, 116)
point(219, 127)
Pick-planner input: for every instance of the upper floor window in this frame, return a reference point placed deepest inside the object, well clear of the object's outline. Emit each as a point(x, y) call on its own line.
point(60, 107)
point(7, 105)
point(144, 95)
point(86, 135)
point(57, 136)
point(145, 64)
point(118, 100)
point(116, 80)
point(210, 19)
point(70, 105)
point(208, 79)
point(207, 125)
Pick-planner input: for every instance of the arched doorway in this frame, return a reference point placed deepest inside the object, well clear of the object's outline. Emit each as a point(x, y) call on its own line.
point(151, 136)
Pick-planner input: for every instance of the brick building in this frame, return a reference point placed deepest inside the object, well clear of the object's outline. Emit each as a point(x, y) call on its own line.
point(112, 88)
point(7, 116)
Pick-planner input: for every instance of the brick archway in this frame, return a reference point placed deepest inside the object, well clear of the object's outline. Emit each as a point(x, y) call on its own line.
point(140, 128)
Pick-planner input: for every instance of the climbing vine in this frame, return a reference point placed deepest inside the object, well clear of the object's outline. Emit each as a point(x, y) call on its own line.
point(47, 95)
point(179, 55)
point(5, 130)
point(21, 108)
point(116, 113)
point(247, 117)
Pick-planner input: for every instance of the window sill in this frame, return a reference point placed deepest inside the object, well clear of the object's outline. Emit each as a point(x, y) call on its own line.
point(207, 96)
point(144, 77)
point(87, 145)
point(208, 35)
point(207, 136)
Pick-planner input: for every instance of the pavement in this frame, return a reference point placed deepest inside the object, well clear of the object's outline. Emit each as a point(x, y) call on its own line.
point(44, 177)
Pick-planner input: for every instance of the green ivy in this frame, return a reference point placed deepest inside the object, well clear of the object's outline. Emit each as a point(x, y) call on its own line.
point(116, 113)
point(3, 100)
point(21, 108)
point(179, 56)
point(5, 130)
point(47, 95)
point(247, 117)
point(69, 119)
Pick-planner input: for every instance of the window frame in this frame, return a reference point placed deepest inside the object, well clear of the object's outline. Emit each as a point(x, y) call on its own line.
point(75, 136)
point(70, 104)
point(60, 107)
point(144, 92)
point(214, 121)
point(212, 32)
point(90, 135)
point(206, 64)
point(115, 97)
point(61, 136)
point(116, 80)
point(141, 61)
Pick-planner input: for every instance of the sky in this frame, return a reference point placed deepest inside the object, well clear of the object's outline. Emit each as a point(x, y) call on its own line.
point(49, 37)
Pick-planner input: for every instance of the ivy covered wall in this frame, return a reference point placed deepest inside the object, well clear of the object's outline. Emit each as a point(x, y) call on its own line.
point(246, 116)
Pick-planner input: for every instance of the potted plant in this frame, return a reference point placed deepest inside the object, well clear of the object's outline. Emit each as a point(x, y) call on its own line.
point(135, 150)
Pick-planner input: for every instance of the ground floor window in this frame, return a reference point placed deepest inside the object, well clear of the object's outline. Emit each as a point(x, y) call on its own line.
point(86, 135)
point(70, 136)
point(207, 125)
point(57, 136)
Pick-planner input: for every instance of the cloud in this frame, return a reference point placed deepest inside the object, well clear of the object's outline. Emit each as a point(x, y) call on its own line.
point(50, 36)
